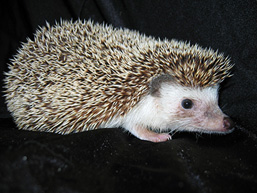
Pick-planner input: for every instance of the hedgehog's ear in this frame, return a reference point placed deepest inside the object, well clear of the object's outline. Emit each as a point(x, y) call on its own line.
point(156, 83)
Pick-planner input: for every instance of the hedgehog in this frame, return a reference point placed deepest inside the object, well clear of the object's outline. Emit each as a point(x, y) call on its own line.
point(80, 75)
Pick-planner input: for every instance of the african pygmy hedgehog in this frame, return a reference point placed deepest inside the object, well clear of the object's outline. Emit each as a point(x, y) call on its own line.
point(78, 76)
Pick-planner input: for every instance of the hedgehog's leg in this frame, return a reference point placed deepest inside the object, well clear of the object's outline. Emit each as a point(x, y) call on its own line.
point(145, 134)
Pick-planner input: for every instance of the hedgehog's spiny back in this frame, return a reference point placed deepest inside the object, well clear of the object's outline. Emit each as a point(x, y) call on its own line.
point(76, 76)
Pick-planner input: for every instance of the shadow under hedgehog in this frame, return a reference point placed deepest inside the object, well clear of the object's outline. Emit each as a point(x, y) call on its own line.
point(78, 76)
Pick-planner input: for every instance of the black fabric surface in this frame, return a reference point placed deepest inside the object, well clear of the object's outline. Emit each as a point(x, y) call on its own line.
point(110, 160)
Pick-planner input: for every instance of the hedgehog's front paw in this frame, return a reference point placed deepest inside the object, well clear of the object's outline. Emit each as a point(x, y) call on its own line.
point(157, 137)
point(145, 134)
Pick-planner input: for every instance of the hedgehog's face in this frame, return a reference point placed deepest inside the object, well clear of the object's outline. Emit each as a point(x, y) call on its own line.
point(193, 109)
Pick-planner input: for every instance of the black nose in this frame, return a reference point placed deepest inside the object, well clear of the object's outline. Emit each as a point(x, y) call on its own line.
point(228, 123)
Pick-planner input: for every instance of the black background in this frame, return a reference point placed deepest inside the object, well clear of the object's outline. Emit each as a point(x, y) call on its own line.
point(113, 161)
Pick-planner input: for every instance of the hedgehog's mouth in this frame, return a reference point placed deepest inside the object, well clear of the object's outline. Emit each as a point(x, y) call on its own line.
point(216, 131)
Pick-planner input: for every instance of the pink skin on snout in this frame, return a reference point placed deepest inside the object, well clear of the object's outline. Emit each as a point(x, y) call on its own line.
point(205, 117)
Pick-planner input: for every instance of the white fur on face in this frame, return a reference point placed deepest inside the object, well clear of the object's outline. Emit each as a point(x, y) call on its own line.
point(165, 112)
point(205, 114)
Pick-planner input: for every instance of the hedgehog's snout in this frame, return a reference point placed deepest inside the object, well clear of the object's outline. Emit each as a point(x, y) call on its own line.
point(228, 124)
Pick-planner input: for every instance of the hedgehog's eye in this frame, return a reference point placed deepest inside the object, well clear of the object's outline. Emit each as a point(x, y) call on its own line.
point(187, 104)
